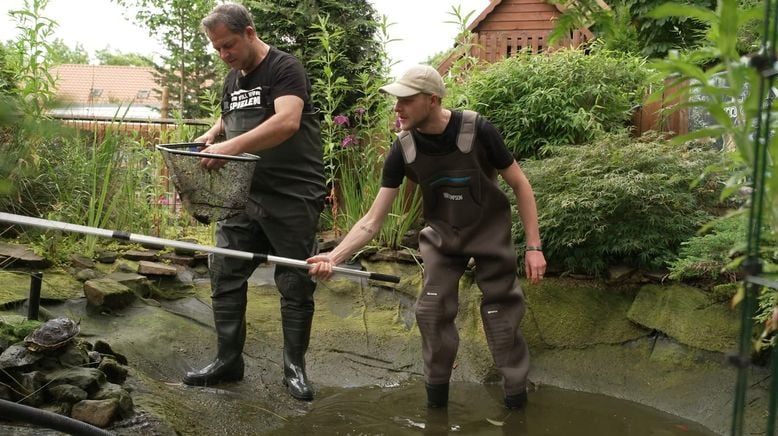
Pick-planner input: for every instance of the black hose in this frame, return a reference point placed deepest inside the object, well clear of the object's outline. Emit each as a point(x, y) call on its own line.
point(32, 415)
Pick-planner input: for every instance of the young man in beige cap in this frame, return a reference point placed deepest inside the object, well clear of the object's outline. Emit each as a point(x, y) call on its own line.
point(455, 157)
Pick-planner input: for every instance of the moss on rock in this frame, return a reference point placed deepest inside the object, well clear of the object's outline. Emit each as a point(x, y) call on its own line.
point(568, 313)
point(56, 286)
point(688, 315)
point(14, 328)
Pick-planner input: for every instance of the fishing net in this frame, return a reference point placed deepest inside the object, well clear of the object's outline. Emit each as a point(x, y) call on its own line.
point(209, 195)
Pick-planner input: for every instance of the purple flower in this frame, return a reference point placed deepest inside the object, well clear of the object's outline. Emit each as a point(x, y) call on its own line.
point(341, 120)
point(360, 111)
point(349, 141)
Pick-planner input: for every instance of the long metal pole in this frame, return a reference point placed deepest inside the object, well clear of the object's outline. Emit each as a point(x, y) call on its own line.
point(160, 242)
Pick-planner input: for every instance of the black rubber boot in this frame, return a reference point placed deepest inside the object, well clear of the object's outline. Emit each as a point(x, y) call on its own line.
point(516, 401)
point(230, 322)
point(297, 334)
point(437, 395)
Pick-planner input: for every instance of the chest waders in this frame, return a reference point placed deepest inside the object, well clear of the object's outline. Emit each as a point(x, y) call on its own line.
point(285, 201)
point(467, 215)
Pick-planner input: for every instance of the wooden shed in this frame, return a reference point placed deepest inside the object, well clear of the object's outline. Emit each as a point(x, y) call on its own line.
point(507, 27)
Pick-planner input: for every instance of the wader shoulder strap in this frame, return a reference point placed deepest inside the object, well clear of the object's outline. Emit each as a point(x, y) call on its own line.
point(465, 138)
point(408, 146)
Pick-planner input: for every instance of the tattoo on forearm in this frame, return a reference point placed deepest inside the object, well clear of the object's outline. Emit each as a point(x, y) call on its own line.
point(366, 230)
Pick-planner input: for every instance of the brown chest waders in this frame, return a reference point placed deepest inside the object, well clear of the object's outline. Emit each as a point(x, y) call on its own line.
point(281, 217)
point(467, 215)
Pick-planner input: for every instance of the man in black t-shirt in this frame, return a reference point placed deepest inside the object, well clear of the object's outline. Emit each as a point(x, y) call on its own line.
point(267, 111)
point(454, 157)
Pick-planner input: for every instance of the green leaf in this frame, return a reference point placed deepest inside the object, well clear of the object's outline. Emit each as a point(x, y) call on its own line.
point(681, 10)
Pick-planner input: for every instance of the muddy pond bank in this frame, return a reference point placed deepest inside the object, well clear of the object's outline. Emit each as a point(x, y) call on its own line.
point(661, 346)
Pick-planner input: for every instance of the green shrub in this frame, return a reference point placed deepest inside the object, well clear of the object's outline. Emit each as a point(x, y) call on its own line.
point(710, 255)
point(564, 98)
point(620, 201)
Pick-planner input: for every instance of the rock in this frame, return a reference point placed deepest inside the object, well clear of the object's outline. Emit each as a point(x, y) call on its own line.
point(87, 274)
point(108, 257)
point(179, 259)
point(18, 355)
point(94, 358)
point(74, 355)
point(385, 255)
point(140, 255)
point(620, 273)
point(88, 379)
point(104, 348)
point(687, 315)
point(136, 282)
point(201, 258)
point(108, 293)
point(125, 267)
point(655, 276)
point(100, 413)
point(115, 391)
point(30, 385)
point(19, 255)
point(185, 276)
point(60, 408)
point(201, 269)
point(66, 393)
point(82, 262)
point(6, 393)
point(328, 240)
point(185, 251)
point(114, 372)
point(156, 268)
point(568, 313)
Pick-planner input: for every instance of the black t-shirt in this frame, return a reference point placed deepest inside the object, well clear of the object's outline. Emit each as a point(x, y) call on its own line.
point(487, 135)
point(279, 74)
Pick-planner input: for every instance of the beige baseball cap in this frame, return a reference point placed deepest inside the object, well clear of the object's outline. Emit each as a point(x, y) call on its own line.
point(418, 78)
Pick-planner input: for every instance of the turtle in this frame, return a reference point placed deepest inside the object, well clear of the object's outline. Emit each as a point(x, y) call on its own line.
point(52, 334)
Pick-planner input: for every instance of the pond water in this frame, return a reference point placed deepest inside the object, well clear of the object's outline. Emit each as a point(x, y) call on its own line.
point(476, 409)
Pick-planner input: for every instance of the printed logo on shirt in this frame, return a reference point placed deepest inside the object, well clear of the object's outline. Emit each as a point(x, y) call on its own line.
point(244, 98)
point(455, 197)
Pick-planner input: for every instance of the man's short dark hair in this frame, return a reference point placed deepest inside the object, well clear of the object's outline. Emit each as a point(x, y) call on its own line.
point(235, 17)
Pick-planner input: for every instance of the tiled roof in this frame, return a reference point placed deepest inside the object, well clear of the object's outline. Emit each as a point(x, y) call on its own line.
point(106, 84)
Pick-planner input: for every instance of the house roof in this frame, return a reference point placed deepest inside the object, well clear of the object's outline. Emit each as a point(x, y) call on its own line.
point(106, 85)
point(494, 3)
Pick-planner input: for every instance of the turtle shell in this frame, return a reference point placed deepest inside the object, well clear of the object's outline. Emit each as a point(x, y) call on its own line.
point(52, 334)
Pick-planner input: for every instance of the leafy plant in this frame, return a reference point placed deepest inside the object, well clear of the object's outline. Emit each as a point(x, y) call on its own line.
point(355, 141)
point(563, 98)
point(329, 91)
point(717, 251)
point(620, 201)
point(653, 36)
point(754, 156)
point(30, 58)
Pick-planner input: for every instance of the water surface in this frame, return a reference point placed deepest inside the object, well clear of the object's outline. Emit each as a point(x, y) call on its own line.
point(476, 409)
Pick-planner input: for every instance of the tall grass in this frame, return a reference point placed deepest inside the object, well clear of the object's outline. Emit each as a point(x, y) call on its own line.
point(355, 142)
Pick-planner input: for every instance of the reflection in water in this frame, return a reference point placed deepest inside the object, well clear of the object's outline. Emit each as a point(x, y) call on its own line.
point(476, 409)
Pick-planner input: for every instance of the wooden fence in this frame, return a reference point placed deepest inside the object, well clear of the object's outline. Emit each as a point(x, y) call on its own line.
point(661, 114)
point(152, 130)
